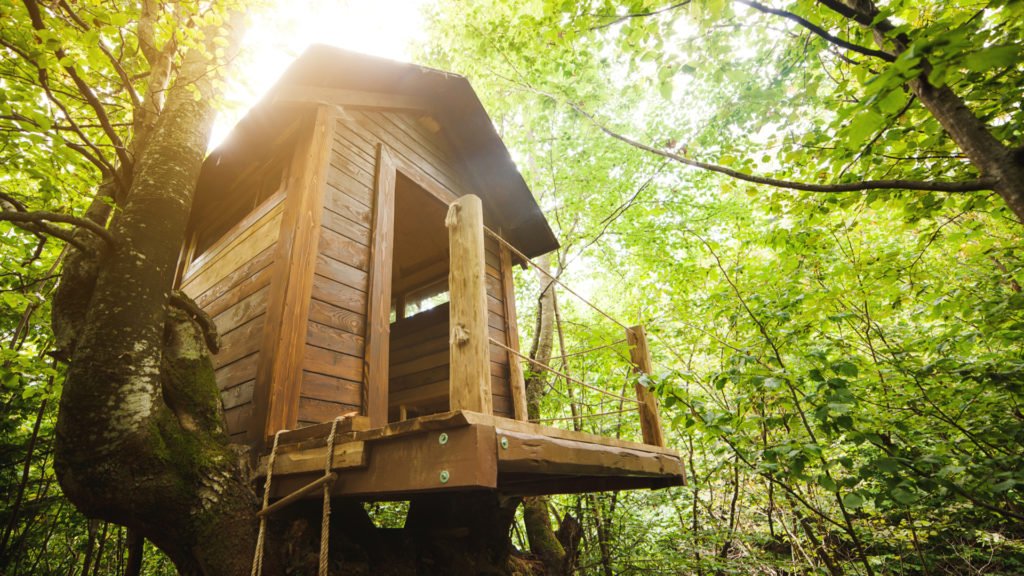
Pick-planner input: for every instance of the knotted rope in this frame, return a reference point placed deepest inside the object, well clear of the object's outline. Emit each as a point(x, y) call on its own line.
point(325, 519)
point(257, 559)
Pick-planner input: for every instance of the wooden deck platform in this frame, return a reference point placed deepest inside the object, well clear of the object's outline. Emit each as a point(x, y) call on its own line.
point(465, 450)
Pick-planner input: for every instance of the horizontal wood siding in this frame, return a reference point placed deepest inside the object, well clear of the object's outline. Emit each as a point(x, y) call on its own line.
point(231, 283)
point(502, 393)
point(419, 359)
point(336, 330)
point(335, 346)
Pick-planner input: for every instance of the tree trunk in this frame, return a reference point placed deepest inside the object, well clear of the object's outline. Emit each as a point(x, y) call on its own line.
point(140, 439)
point(990, 156)
point(543, 541)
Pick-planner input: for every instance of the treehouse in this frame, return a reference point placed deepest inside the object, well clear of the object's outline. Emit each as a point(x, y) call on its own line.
point(353, 240)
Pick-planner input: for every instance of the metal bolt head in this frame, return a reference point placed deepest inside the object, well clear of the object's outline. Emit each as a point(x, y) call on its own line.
point(444, 476)
point(504, 443)
point(443, 438)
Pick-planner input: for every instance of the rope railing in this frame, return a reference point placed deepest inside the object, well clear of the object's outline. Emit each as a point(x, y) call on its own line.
point(638, 357)
point(551, 276)
point(582, 416)
point(588, 351)
point(562, 374)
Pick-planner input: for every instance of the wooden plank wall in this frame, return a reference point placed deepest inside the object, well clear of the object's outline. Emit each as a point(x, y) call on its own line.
point(418, 370)
point(335, 348)
point(231, 282)
point(335, 337)
point(502, 393)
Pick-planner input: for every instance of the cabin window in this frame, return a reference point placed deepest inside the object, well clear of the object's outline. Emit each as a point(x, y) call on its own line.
point(247, 193)
point(426, 298)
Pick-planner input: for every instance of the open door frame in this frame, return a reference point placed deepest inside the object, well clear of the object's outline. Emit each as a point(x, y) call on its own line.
point(378, 334)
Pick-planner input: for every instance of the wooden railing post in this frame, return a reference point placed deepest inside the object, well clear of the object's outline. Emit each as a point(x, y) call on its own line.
point(650, 421)
point(469, 376)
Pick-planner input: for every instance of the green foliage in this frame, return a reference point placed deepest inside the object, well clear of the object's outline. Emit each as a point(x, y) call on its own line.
point(842, 372)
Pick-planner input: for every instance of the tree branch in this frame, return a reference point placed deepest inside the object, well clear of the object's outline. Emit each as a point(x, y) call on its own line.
point(181, 301)
point(114, 61)
point(41, 219)
point(83, 88)
point(96, 157)
point(817, 30)
point(975, 185)
point(625, 17)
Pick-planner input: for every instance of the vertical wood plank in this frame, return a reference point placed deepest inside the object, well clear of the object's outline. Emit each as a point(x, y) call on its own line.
point(650, 421)
point(517, 381)
point(469, 370)
point(378, 332)
point(279, 372)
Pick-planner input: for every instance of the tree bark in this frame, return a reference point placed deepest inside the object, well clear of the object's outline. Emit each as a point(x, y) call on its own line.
point(991, 157)
point(140, 439)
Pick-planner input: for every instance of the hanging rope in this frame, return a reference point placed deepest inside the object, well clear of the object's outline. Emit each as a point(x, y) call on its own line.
point(325, 518)
point(562, 375)
point(257, 559)
point(512, 248)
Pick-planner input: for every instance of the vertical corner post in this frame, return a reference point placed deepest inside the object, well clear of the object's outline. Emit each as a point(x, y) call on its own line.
point(279, 371)
point(378, 332)
point(517, 381)
point(469, 377)
point(640, 355)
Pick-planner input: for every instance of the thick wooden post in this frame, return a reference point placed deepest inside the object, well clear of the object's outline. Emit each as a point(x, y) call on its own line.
point(469, 378)
point(650, 422)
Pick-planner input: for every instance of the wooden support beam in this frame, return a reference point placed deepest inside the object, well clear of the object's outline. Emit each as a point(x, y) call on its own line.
point(469, 376)
point(650, 422)
point(516, 379)
point(356, 99)
point(375, 369)
point(530, 453)
point(346, 455)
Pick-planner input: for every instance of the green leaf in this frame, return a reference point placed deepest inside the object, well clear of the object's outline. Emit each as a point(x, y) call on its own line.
point(863, 126)
point(845, 368)
point(903, 496)
point(853, 500)
point(887, 465)
point(893, 102)
point(993, 57)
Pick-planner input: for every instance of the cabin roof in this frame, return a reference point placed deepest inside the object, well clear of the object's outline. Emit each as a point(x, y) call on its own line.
point(448, 97)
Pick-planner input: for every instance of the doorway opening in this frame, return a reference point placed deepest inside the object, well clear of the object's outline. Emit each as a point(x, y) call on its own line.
point(418, 345)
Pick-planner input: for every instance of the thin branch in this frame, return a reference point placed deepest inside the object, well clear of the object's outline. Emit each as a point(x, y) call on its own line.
point(975, 185)
point(873, 141)
point(819, 31)
point(114, 61)
point(96, 157)
point(83, 88)
point(43, 217)
point(625, 17)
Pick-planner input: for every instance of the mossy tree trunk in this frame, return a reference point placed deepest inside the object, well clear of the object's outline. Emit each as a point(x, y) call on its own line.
point(140, 435)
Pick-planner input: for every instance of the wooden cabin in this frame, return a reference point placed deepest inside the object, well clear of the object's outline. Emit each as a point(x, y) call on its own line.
point(338, 240)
